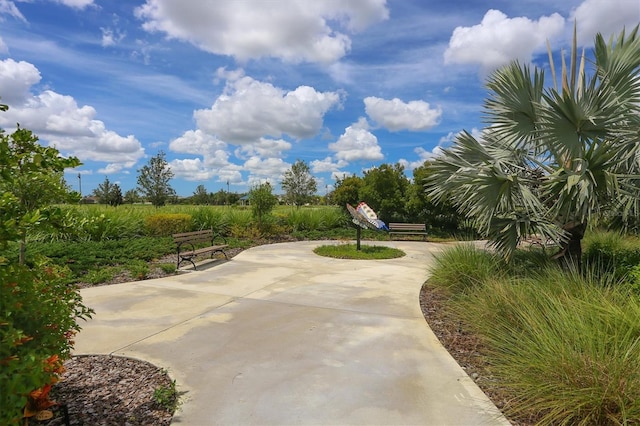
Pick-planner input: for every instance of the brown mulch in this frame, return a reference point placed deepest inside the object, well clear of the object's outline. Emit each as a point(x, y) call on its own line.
point(109, 390)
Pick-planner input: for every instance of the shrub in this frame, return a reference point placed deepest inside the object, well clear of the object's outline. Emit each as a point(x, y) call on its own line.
point(611, 253)
point(37, 325)
point(165, 224)
point(210, 218)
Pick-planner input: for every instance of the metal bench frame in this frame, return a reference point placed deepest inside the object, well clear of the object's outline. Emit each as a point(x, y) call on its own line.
point(408, 229)
point(186, 243)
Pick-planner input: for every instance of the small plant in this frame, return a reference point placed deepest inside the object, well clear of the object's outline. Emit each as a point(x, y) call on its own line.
point(139, 269)
point(168, 268)
point(167, 397)
point(98, 276)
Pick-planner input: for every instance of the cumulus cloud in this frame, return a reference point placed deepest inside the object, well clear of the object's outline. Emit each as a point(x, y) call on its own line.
point(267, 169)
point(264, 148)
point(357, 143)
point(249, 109)
point(16, 79)
point(498, 39)
point(191, 169)
point(293, 30)
point(327, 165)
point(604, 16)
point(396, 115)
point(59, 120)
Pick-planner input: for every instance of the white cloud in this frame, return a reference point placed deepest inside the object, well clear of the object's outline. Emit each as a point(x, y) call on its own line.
point(76, 4)
point(293, 30)
point(3, 46)
point(396, 115)
point(111, 37)
point(357, 143)
point(191, 170)
point(16, 78)
point(604, 16)
point(269, 169)
point(497, 40)
point(327, 165)
point(264, 148)
point(9, 8)
point(59, 120)
point(249, 109)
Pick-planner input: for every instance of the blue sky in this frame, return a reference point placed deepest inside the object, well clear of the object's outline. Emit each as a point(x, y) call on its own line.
point(236, 91)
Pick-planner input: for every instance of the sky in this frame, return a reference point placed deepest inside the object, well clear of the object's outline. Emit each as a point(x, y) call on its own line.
point(234, 92)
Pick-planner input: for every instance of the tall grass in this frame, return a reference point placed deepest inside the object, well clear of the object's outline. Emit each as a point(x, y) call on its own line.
point(316, 219)
point(566, 344)
point(464, 266)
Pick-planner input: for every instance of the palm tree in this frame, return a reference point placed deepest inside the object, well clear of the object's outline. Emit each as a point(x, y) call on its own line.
point(551, 158)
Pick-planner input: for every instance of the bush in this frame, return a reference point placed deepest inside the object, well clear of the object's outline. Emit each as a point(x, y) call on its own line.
point(165, 224)
point(568, 346)
point(210, 218)
point(611, 253)
point(37, 325)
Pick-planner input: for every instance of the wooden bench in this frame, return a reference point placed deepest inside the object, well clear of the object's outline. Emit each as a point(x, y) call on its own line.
point(408, 229)
point(187, 245)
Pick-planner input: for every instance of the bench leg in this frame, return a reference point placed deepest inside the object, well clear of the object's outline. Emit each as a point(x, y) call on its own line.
point(186, 259)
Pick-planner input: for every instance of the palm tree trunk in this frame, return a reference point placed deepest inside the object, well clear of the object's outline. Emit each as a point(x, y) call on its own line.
point(570, 254)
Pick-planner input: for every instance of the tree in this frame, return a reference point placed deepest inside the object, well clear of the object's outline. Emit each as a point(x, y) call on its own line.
point(153, 180)
point(421, 207)
point(298, 184)
point(31, 182)
point(346, 191)
point(384, 189)
point(115, 198)
point(108, 193)
point(200, 196)
point(552, 158)
point(262, 201)
point(131, 197)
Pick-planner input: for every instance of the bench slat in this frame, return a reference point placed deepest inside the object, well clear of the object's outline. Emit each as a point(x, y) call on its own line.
point(407, 229)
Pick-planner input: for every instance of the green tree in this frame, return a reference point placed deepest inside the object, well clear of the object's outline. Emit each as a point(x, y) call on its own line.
point(108, 193)
point(32, 181)
point(384, 189)
point(131, 197)
point(201, 196)
point(153, 180)
point(298, 184)
point(346, 191)
point(553, 158)
point(116, 196)
point(439, 217)
point(262, 202)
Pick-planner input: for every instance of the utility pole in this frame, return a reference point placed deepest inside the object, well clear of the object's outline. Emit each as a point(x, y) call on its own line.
point(228, 203)
point(80, 185)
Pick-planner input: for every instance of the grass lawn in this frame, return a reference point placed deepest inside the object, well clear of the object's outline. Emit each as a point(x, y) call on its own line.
point(366, 252)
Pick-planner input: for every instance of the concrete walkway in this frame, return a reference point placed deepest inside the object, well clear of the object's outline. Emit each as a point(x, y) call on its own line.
point(281, 336)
